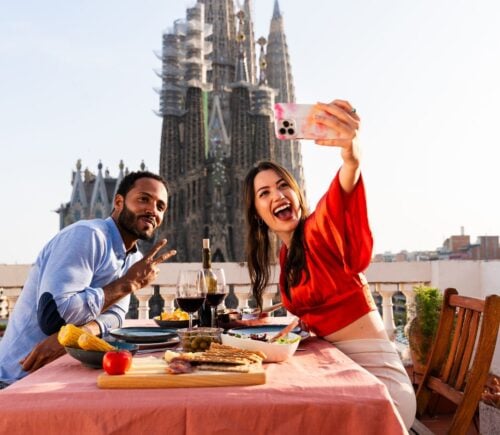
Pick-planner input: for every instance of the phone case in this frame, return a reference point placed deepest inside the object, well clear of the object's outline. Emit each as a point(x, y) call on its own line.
point(296, 121)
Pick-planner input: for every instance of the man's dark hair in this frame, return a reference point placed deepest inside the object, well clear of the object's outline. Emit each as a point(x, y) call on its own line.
point(129, 180)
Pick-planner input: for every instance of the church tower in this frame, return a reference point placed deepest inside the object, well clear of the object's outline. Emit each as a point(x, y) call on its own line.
point(217, 122)
point(279, 76)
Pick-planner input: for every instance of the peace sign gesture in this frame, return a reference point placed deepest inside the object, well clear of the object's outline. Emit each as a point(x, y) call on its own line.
point(145, 271)
point(150, 257)
point(141, 274)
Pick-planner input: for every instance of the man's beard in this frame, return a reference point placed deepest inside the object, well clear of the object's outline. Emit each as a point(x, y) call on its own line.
point(128, 222)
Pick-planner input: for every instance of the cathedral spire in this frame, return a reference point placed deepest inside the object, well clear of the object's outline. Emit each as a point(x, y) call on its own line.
point(279, 70)
point(241, 74)
point(119, 179)
point(216, 127)
point(262, 61)
point(78, 195)
point(220, 14)
point(276, 11)
point(99, 202)
point(263, 95)
point(279, 77)
point(195, 65)
point(250, 41)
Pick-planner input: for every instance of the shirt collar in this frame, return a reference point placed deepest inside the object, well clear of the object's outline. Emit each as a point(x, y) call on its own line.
point(117, 241)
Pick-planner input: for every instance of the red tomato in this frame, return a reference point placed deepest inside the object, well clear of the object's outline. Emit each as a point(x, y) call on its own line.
point(116, 362)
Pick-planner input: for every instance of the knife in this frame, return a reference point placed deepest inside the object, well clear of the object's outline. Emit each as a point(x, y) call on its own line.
point(267, 310)
point(285, 330)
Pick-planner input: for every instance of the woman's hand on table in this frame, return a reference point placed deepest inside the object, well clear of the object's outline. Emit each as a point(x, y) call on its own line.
point(43, 353)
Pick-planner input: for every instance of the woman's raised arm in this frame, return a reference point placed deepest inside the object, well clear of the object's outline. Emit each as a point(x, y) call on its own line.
point(341, 117)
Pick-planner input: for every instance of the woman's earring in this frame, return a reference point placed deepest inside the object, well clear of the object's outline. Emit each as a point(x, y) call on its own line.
point(260, 222)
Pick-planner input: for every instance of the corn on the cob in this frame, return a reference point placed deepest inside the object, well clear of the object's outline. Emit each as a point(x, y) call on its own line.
point(91, 342)
point(68, 335)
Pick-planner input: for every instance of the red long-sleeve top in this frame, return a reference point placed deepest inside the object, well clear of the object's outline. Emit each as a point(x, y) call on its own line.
point(338, 247)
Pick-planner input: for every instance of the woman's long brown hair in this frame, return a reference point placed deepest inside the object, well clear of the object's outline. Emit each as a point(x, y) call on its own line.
point(258, 246)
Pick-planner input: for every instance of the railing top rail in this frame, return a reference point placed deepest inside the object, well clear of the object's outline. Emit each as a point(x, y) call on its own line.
point(236, 273)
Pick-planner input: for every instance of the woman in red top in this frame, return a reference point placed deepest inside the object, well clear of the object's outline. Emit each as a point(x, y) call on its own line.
point(323, 255)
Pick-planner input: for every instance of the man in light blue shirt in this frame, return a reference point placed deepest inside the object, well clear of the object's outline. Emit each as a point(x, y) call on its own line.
point(85, 276)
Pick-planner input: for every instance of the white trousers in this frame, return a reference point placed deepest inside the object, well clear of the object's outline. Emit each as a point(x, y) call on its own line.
point(381, 359)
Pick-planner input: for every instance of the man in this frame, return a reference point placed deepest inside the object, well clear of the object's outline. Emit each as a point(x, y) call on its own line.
point(85, 276)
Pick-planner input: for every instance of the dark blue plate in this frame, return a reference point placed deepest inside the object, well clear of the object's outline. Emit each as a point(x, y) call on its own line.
point(93, 358)
point(143, 334)
point(173, 324)
point(267, 329)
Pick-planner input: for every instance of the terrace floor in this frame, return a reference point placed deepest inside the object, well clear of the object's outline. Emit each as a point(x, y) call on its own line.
point(439, 425)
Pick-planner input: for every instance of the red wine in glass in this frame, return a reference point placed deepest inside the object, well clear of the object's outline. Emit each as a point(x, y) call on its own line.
point(214, 299)
point(191, 291)
point(190, 304)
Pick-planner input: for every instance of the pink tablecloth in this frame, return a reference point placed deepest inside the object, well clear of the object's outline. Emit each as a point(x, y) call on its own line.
point(318, 391)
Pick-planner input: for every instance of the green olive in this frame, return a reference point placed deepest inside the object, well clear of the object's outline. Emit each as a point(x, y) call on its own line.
point(195, 342)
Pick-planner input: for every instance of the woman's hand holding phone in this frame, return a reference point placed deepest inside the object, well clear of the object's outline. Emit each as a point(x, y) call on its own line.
point(334, 124)
point(323, 123)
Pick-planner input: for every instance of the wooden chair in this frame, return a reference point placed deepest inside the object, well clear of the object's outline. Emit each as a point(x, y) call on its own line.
point(460, 359)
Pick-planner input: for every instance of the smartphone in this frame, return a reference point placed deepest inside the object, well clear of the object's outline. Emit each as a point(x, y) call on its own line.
point(296, 121)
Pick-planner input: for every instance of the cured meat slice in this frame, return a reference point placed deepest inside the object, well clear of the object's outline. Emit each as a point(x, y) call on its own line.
point(179, 366)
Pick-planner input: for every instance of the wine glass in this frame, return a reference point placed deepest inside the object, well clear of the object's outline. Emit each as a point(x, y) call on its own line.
point(214, 299)
point(191, 292)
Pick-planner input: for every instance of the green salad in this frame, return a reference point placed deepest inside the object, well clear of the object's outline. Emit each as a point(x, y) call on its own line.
point(264, 337)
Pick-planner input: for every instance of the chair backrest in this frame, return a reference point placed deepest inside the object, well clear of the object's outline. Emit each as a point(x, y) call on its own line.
point(461, 356)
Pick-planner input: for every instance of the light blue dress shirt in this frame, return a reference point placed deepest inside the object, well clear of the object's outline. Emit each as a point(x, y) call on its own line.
point(66, 285)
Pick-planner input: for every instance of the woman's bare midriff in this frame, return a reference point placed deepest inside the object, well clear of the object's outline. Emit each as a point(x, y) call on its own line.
point(368, 326)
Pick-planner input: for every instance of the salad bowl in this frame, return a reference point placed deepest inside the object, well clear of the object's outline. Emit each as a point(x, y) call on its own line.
point(278, 351)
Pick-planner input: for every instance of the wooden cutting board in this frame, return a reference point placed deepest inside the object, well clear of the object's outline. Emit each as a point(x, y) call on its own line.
point(149, 372)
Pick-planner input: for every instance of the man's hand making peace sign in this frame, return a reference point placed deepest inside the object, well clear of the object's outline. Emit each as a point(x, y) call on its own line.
point(141, 274)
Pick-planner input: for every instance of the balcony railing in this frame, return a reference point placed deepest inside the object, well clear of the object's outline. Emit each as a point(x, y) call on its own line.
point(238, 280)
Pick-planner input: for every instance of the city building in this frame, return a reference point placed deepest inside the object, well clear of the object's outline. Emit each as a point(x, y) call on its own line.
point(455, 247)
point(487, 248)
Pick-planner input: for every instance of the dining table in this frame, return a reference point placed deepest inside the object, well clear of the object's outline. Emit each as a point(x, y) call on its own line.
point(319, 390)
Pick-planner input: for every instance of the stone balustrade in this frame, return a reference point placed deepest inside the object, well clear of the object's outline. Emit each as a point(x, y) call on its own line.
point(238, 281)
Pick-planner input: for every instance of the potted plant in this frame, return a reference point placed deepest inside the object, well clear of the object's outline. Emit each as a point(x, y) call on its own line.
point(489, 407)
point(422, 329)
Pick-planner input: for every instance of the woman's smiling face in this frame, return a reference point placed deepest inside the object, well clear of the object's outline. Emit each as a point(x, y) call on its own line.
point(277, 204)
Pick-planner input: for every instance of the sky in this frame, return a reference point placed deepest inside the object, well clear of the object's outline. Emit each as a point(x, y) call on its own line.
point(77, 79)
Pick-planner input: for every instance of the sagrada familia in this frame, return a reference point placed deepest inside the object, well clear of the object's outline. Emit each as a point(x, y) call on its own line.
point(216, 101)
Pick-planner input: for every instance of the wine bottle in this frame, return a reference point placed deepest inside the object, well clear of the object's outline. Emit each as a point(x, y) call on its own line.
point(211, 281)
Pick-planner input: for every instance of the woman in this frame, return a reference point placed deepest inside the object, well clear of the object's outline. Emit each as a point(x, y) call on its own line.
point(323, 254)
